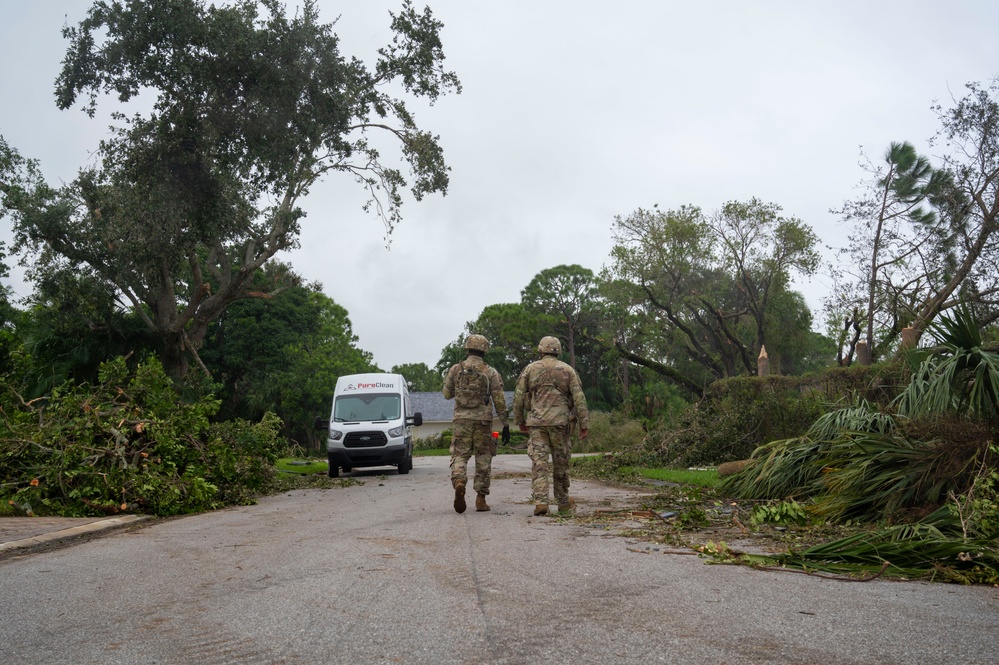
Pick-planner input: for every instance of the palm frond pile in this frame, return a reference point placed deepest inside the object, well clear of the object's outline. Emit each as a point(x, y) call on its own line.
point(913, 467)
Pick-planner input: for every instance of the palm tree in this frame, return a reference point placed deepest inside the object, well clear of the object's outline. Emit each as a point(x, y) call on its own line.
point(959, 376)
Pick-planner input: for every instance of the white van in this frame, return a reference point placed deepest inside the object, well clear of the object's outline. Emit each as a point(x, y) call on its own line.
point(371, 423)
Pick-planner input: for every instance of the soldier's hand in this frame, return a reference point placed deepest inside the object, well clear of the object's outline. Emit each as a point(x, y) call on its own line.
point(583, 433)
point(523, 428)
point(505, 435)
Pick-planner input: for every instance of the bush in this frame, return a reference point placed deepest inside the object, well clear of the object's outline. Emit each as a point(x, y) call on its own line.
point(610, 432)
point(735, 417)
point(435, 442)
point(129, 443)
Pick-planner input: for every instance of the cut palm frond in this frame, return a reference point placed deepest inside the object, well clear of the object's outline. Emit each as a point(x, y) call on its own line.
point(792, 468)
point(779, 470)
point(860, 418)
point(871, 475)
point(924, 549)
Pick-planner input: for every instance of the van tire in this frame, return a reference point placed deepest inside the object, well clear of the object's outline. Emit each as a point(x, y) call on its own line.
point(405, 465)
point(348, 469)
point(334, 471)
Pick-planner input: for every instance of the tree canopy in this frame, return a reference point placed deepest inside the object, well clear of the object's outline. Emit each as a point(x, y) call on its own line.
point(283, 355)
point(701, 291)
point(251, 109)
point(925, 231)
point(566, 293)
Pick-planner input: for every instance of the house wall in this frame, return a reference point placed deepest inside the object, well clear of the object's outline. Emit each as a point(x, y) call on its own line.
point(429, 429)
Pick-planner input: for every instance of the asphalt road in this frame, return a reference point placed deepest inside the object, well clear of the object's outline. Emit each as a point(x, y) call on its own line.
point(387, 572)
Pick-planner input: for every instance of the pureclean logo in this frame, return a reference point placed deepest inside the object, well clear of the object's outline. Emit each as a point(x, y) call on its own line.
point(369, 386)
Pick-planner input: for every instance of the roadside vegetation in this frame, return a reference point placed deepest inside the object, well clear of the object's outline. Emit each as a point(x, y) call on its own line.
point(167, 362)
point(904, 487)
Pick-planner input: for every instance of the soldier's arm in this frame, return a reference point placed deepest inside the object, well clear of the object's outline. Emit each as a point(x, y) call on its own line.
point(579, 405)
point(499, 397)
point(449, 383)
point(519, 397)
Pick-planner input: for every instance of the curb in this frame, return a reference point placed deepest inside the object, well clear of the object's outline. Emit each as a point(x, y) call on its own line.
point(71, 532)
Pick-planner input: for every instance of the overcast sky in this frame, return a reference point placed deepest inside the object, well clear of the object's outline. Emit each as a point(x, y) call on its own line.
point(574, 112)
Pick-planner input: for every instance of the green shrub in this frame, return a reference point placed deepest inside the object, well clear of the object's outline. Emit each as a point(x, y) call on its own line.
point(734, 418)
point(435, 442)
point(610, 432)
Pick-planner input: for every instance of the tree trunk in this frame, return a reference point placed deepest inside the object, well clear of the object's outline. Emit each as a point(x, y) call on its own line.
point(173, 355)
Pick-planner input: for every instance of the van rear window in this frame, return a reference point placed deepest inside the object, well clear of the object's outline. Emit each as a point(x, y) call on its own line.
point(366, 407)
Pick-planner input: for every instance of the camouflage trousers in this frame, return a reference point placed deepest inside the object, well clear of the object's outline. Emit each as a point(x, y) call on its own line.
point(542, 442)
point(472, 437)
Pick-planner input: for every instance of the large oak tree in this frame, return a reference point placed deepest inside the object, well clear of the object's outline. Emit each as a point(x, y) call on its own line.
point(250, 108)
point(707, 292)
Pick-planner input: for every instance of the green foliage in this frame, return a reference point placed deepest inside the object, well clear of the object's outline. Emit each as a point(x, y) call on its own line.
point(74, 324)
point(610, 432)
point(960, 378)
point(978, 508)
point(513, 331)
point(780, 469)
point(932, 548)
point(436, 442)
point(566, 296)
point(283, 355)
point(898, 212)
point(861, 462)
point(708, 292)
point(870, 474)
point(420, 377)
point(735, 417)
point(789, 468)
point(793, 347)
point(654, 400)
point(251, 107)
point(129, 443)
point(301, 466)
point(785, 512)
point(696, 477)
point(861, 418)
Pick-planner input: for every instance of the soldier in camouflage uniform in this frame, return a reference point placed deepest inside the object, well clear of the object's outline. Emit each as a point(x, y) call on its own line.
point(548, 402)
point(473, 418)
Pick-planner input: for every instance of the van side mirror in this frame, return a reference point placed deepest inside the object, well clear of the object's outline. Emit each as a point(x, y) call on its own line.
point(417, 419)
point(319, 423)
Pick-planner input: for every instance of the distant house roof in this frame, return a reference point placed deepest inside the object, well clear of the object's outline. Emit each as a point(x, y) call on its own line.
point(435, 408)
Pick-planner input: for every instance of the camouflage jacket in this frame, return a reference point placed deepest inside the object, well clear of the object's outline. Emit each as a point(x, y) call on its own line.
point(549, 393)
point(497, 398)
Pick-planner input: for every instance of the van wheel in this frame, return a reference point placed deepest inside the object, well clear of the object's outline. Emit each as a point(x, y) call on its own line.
point(334, 471)
point(405, 465)
point(348, 469)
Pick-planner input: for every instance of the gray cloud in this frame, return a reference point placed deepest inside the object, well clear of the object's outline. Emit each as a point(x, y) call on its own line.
point(572, 113)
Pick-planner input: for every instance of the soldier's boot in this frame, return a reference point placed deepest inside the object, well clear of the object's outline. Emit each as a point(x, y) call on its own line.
point(541, 509)
point(459, 497)
point(568, 506)
point(480, 502)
